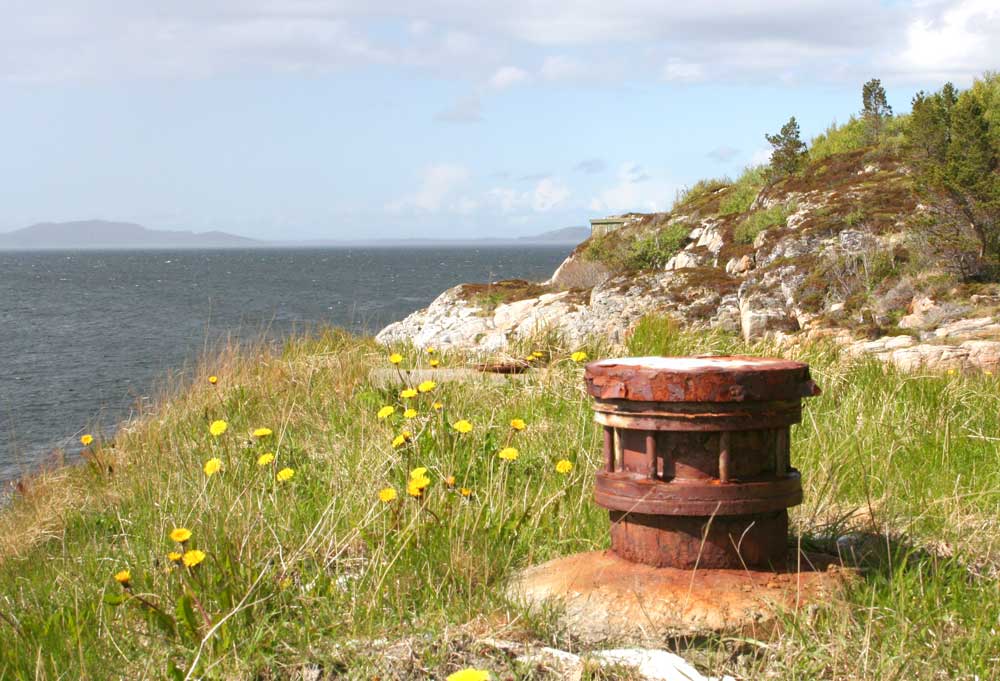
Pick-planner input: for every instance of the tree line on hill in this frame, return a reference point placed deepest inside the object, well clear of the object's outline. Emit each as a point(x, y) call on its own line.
point(952, 140)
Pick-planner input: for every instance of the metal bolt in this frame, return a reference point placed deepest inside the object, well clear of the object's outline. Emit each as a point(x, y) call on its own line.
point(696, 451)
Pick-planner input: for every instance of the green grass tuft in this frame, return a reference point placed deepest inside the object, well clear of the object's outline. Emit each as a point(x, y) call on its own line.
point(739, 197)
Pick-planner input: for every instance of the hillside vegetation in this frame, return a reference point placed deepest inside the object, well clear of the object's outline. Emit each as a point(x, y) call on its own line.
point(882, 235)
point(919, 193)
point(323, 572)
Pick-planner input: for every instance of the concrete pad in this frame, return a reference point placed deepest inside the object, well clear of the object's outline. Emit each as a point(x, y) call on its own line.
point(606, 598)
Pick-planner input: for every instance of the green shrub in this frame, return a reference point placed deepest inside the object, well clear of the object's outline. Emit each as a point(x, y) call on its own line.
point(742, 193)
point(760, 220)
point(855, 217)
point(699, 189)
point(599, 249)
point(839, 139)
point(652, 251)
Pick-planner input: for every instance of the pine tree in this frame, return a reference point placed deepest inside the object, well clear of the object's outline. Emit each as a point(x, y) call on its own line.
point(788, 149)
point(929, 127)
point(970, 172)
point(874, 108)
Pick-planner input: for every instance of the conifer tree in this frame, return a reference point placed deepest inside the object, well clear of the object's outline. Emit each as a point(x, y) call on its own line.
point(788, 149)
point(970, 172)
point(874, 108)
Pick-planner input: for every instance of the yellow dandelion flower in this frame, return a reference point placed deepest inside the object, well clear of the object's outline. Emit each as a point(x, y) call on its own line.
point(218, 428)
point(469, 674)
point(463, 426)
point(86, 440)
point(538, 354)
point(951, 372)
point(988, 373)
point(395, 358)
point(438, 406)
point(265, 458)
point(418, 482)
point(427, 386)
point(579, 356)
point(564, 466)
point(410, 414)
point(518, 424)
point(386, 411)
point(180, 534)
point(450, 481)
point(509, 454)
point(435, 363)
point(262, 432)
point(213, 379)
point(174, 557)
point(212, 466)
point(192, 557)
point(285, 474)
point(386, 495)
point(402, 439)
point(465, 492)
point(408, 393)
point(431, 351)
point(123, 577)
point(529, 358)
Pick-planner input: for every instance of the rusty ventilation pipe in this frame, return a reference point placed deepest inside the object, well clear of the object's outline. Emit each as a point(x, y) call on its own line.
point(696, 458)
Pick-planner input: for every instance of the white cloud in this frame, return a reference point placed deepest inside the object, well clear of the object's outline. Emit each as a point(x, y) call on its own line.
point(445, 188)
point(437, 191)
point(635, 190)
point(677, 70)
point(724, 154)
point(466, 109)
point(958, 43)
point(507, 76)
point(761, 156)
point(787, 40)
point(419, 27)
point(548, 194)
point(560, 67)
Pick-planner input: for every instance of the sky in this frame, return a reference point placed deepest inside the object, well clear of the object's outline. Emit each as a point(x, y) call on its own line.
point(344, 119)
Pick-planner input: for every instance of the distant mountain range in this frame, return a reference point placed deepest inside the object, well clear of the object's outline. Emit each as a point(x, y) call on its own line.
point(102, 234)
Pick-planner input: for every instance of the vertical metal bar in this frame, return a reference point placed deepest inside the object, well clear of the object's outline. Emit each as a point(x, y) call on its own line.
point(781, 454)
point(668, 457)
point(651, 454)
point(609, 451)
point(724, 456)
point(619, 459)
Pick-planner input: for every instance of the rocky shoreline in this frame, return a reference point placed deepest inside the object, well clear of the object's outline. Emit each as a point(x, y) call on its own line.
point(797, 281)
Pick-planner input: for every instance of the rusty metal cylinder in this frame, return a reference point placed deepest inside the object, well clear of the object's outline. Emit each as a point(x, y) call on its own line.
point(696, 457)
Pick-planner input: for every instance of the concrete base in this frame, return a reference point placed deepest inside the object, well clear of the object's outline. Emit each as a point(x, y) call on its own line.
point(601, 597)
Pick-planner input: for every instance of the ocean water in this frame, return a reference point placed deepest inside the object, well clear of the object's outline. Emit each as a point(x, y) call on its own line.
point(85, 336)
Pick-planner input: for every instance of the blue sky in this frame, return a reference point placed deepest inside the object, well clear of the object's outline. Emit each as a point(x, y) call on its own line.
point(343, 119)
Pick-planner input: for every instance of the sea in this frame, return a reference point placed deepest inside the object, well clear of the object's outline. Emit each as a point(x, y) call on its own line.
point(86, 337)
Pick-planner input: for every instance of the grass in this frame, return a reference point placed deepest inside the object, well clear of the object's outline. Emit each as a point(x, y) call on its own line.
point(699, 190)
point(318, 574)
point(638, 249)
point(759, 220)
point(741, 194)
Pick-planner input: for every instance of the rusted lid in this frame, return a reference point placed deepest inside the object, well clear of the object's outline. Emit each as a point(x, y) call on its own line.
point(732, 378)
